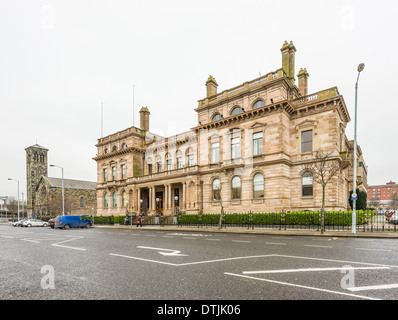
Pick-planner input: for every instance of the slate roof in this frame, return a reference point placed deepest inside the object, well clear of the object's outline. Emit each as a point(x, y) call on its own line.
point(71, 184)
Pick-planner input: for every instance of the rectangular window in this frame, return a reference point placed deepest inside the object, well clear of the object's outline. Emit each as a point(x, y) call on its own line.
point(150, 168)
point(123, 166)
point(215, 152)
point(190, 160)
point(105, 175)
point(113, 173)
point(81, 202)
point(168, 164)
point(235, 148)
point(306, 141)
point(257, 143)
point(159, 164)
point(179, 163)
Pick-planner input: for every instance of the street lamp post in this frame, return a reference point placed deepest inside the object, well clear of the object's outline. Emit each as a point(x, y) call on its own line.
point(175, 204)
point(354, 195)
point(63, 198)
point(18, 194)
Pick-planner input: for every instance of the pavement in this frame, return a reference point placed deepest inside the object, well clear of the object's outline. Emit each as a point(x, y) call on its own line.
point(241, 230)
point(265, 231)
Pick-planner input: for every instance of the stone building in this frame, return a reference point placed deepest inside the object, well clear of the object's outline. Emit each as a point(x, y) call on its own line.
point(79, 196)
point(247, 152)
point(44, 194)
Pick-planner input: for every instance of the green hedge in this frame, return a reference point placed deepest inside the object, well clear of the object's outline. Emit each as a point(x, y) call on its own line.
point(337, 218)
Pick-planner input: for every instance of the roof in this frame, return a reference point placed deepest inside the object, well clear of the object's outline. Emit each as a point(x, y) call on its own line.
point(71, 184)
point(37, 147)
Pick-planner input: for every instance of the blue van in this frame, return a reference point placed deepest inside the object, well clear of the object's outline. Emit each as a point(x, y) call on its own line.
point(66, 222)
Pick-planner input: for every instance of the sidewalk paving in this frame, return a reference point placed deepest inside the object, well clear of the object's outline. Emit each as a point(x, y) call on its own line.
point(241, 230)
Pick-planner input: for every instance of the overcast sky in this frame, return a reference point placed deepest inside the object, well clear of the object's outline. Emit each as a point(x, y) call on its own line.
point(59, 60)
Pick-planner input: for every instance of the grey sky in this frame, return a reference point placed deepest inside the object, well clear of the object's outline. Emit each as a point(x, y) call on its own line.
point(60, 59)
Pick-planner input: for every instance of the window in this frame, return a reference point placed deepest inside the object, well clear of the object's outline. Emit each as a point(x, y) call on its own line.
point(114, 199)
point(179, 162)
point(159, 166)
point(123, 167)
point(169, 164)
point(235, 148)
point(258, 104)
point(236, 188)
point(105, 175)
point(106, 151)
point(216, 189)
point(106, 200)
point(236, 110)
point(124, 199)
point(81, 202)
point(258, 186)
point(216, 117)
point(190, 160)
point(306, 141)
point(215, 152)
point(257, 143)
point(113, 173)
point(307, 184)
point(124, 146)
point(114, 149)
point(149, 168)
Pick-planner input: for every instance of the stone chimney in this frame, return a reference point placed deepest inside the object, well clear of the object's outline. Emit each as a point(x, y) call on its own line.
point(303, 81)
point(211, 86)
point(288, 58)
point(144, 119)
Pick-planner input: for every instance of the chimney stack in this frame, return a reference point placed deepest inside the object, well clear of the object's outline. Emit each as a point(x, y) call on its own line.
point(303, 81)
point(288, 52)
point(211, 86)
point(144, 119)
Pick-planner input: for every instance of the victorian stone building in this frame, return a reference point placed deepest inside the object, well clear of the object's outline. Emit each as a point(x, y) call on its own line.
point(247, 152)
point(44, 194)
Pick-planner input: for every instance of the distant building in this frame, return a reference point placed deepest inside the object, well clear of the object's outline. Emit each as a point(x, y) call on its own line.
point(383, 196)
point(44, 194)
point(247, 152)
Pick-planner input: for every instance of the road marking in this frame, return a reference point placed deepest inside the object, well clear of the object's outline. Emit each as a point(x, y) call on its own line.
point(213, 239)
point(313, 270)
point(299, 286)
point(68, 247)
point(172, 252)
point(312, 245)
point(8, 237)
point(189, 238)
point(370, 249)
point(245, 241)
point(383, 286)
point(276, 243)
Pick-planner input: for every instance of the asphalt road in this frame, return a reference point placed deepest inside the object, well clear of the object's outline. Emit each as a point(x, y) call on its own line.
point(111, 264)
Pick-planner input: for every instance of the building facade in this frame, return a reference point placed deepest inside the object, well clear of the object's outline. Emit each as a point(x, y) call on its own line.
point(44, 194)
point(383, 196)
point(247, 152)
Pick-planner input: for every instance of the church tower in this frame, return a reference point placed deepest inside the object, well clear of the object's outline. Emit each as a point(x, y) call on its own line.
point(36, 167)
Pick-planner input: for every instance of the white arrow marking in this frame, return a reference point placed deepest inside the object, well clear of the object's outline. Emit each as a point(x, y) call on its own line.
point(174, 253)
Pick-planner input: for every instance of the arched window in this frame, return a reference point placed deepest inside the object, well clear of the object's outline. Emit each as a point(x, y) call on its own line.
point(114, 149)
point(307, 184)
point(258, 186)
point(114, 199)
point(236, 111)
point(106, 151)
point(216, 189)
point(124, 199)
point(124, 146)
point(106, 200)
point(236, 188)
point(216, 117)
point(258, 104)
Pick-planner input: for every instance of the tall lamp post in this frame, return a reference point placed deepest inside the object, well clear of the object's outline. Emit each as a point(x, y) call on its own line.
point(63, 198)
point(18, 194)
point(354, 195)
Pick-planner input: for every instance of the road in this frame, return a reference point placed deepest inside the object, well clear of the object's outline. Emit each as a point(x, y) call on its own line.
point(111, 264)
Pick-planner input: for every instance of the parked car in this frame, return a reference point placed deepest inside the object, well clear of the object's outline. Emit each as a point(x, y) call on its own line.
point(66, 222)
point(51, 222)
point(17, 223)
point(34, 223)
point(394, 218)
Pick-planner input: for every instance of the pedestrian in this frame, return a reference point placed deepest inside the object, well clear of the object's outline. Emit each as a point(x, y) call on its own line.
point(139, 221)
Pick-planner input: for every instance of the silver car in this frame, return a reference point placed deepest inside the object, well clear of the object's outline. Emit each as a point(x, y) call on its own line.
point(17, 223)
point(394, 218)
point(34, 223)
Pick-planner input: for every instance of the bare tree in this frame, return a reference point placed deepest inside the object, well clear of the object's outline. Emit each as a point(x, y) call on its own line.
point(323, 167)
